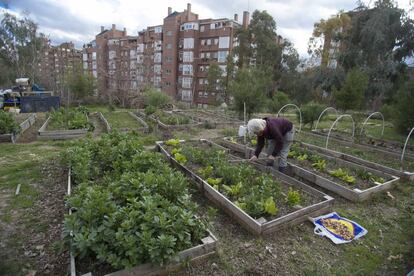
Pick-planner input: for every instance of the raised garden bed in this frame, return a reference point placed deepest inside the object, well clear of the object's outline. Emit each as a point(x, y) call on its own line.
point(391, 148)
point(124, 121)
point(350, 180)
point(209, 119)
point(171, 121)
point(129, 209)
point(379, 159)
point(55, 128)
point(25, 123)
point(261, 199)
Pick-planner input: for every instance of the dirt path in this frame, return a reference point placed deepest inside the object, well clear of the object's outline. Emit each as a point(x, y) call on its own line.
point(99, 126)
point(31, 222)
point(30, 135)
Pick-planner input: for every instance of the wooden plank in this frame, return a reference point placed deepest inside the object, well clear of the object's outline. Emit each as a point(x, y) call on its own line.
point(105, 121)
point(145, 127)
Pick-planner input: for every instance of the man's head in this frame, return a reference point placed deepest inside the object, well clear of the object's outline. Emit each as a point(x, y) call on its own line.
point(256, 126)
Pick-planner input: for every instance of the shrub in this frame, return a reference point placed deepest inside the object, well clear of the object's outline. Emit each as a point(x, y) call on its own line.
point(156, 98)
point(279, 100)
point(7, 123)
point(310, 113)
point(404, 118)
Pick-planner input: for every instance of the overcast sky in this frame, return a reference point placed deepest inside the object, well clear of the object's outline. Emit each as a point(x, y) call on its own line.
point(80, 20)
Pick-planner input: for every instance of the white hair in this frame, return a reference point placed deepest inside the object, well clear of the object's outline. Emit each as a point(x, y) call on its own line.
point(256, 125)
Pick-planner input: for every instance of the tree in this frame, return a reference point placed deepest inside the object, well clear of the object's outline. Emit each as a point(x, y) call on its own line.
point(249, 87)
point(279, 99)
point(351, 95)
point(19, 46)
point(324, 33)
point(81, 85)
point(404, 108)
point(214, 79)
point(310, 113)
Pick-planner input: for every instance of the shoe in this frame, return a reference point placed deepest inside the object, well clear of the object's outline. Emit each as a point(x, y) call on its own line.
point(282, 170)
point(270, 163)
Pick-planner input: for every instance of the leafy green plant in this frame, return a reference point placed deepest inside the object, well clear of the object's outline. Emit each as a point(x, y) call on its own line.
point(233, 190)
point(173, 142)
point(205, 172)
point(129, 206)
point(70, 119)
point(368, 176)
point(270, 206)
point(293, 197)
point(343, 175)
point(180, 158)
point(320, 165)
point(302, 157)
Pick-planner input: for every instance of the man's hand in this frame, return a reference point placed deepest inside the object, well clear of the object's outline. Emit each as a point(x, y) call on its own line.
point(253, 158)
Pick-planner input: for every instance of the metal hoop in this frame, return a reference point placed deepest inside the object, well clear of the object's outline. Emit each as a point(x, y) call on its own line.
point(366, 120)
point(334, 123)
point(300, 113)
point(320, 115)
point(405, 145)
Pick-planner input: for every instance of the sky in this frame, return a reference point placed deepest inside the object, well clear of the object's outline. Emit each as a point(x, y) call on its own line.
point(80, 20)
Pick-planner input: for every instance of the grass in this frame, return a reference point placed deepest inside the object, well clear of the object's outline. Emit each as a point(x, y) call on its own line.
point(121, 120)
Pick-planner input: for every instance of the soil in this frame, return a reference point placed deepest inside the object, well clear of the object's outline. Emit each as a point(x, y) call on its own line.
point(99, 125)
point(30, 135)
point(34, 236)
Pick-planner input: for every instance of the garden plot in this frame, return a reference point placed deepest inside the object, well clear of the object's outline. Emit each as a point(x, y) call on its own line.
point(171, 121)
point(130, 210)
point(259, 198)
point(24, 121)
point(368, 143)
point(352, 181)
point(386, 161)
point(124, 121)
point(66, 124)
point(210, 119)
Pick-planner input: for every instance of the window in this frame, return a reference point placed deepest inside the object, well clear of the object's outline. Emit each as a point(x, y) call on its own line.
point(132, 54)
point(85, 57)
point(186, 95)
point(188, 43)
point(169, 33)
point(157, 81)
point(203, 42)
point(180, 67)
point(188, 56)
point(205, 94)
point(140, 48)
point(212, 26)
point(94, 65)
point(202, 55)
point(85, 65)
point(95, 73)
point(208, 55)
point(199, 105)
point(158, 29)
point(169, 46)
point(208, 41)
point(157, 57)
point(167, 84)
point(168, 71)
point(223, 70)
point(222, 55)
point(214, 54)
point(168, 59)
point(216, 41)
point(202, 28)
point(189, 26)
point(157, 68)
point(112, 54)
point(224, 42)
point(186, 82)
point(200, 81)
point(140, 58)
point(187, 69)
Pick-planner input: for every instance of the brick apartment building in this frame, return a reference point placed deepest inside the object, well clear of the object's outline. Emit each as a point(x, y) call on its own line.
point(56, 63)
point(173, 57)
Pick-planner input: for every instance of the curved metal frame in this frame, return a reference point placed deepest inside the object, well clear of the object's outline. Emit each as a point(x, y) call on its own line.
point(334, 123)
point(300, 113)
point(366, 120)
point(320, 115)
point(405, 145)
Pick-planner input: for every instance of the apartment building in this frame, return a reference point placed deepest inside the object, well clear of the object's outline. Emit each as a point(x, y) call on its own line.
point(57, 63)
point(173, 57)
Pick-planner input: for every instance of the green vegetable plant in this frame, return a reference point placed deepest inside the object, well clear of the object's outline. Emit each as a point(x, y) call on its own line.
point(293, 197)
point(343, 175)
point(129, 207)
point(180, 158)
point(320, 165)
point(172, 142)
point(270, 206)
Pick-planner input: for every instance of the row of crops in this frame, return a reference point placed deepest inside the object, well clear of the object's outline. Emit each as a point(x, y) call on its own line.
point(129, 207)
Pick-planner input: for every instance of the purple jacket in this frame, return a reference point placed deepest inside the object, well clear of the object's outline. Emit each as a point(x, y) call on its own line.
point(275, 129)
